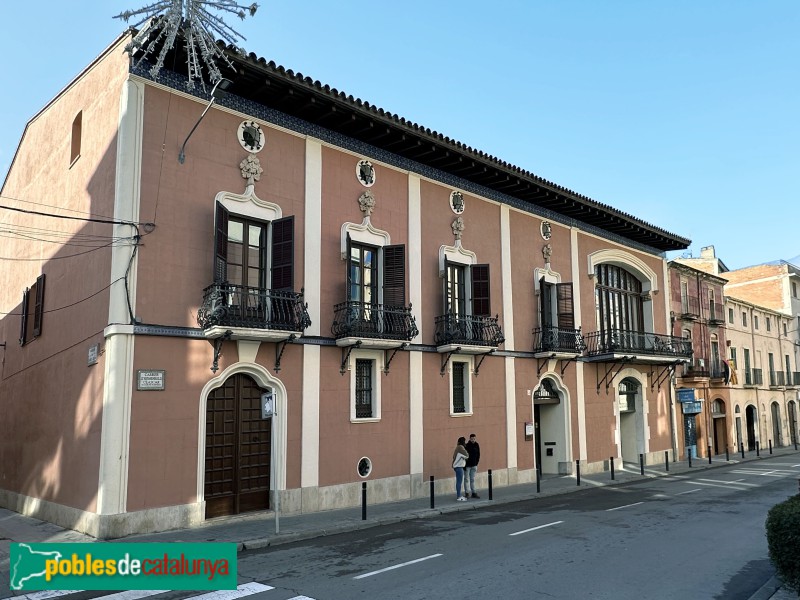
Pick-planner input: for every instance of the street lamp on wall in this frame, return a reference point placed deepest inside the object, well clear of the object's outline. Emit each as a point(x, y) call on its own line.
point(216, 92)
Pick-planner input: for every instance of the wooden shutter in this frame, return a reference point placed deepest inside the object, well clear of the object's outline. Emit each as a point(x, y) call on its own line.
point(221, 244)
point(481, 306)
point(38, 311)
point(546, 302)
point(565, 307)
point(24, 319)
point(394, 275)
point(283, 254)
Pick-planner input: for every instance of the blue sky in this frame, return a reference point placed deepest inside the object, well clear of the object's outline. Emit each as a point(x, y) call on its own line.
point(684, 113)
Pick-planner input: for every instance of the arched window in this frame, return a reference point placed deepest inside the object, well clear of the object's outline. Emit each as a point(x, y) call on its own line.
point(628, 388)
point(547, 393)
point(618, 299)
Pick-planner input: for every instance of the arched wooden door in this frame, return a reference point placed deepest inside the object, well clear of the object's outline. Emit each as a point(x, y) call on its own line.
point(238, 449)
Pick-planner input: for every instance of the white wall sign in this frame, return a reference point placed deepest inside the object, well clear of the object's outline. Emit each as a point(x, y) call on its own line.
point(149, 380)
point(94, 352)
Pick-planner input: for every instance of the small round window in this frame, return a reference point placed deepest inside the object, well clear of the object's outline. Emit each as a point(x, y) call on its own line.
point(364, 467)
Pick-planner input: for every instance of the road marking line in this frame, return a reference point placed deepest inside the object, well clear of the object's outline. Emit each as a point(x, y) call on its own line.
point(301, 598)
point(724, 487)
point(246, 589)
point(731, 482)
point(535, 528)
point(626, 506)
point(405, 564)
point(688, 492)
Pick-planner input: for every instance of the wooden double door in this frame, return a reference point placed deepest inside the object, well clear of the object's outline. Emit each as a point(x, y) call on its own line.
point(238, 449)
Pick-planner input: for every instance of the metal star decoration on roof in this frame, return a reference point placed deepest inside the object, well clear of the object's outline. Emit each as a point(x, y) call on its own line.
point(164, 19)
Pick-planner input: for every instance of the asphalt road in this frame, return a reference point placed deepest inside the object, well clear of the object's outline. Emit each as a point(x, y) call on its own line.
point(693, 536)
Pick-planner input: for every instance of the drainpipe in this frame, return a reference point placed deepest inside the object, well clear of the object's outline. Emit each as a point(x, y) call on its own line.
point(672, 413)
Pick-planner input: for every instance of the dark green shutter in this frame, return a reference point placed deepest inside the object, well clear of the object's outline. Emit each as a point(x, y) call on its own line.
point(283, 254)
point(38, 311)
point(481, 306)
point(24, 319)
point(347, 265)
point(565, 307)
point(394, 275)
point(221, 244)
point(546, 302)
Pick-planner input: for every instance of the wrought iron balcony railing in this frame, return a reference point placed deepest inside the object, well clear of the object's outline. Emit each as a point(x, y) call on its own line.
point(719, 370)
point(753, 377)
point(558, 339)
point(619, 341)
point(373, 321)
point(777, 379)
point(229, 305)
point(716, 316)
point(696, 369)
point(690, 307)
point(468, 330)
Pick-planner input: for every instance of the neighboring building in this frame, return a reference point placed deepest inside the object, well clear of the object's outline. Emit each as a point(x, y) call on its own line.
point(697, 314)
point(383, 288)
point(761, 317)
point(764, 391)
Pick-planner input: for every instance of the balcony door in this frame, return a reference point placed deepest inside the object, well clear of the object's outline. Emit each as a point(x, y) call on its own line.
point(619, 306)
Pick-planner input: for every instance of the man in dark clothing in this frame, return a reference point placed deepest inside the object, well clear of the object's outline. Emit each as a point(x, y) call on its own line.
point(474, 449)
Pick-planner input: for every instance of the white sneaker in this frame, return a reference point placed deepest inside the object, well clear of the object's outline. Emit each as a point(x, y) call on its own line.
point(461, 499)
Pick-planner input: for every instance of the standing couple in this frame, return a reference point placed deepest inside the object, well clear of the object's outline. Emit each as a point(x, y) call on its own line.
point(466, 457)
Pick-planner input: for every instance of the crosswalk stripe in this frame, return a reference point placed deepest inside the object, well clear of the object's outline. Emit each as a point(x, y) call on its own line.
point(246, 589)
point(734, 483)
point(300, 598)
point(43, 595)
point(133, 594)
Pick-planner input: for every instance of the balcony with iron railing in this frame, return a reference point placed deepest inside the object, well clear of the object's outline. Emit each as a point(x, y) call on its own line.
point(375, 325)
point(777, 379)
point(558, 340)
point(646, 346)
point(716, 316)
point(695, 369)
point(689, 308)
point(251, 313)
point(753, 377)
point(471, 333)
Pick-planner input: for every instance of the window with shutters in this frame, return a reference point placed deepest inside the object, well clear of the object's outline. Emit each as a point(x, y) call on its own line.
point(253, 274)
point(466, 318)
point(32, 311)
point(557, 331)
point(375, 303)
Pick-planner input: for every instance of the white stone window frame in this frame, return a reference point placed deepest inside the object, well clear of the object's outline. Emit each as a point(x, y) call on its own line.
point(469, 361)
point(376, 356)
point(637, 267)
point(550, 277)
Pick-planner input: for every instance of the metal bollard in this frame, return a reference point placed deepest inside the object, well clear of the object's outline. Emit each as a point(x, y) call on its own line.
point(612, 468)
point(727, 454)
point(490, 484)
point(709, 454)
point(689, 452)
point(433, 503)
point(795, 444)
point(641, 464)
point(770, 446)
point(363, 500)
point(758, 449)
point(578, 470)
point(666, 459)
point(538, 480)
point(741, 447)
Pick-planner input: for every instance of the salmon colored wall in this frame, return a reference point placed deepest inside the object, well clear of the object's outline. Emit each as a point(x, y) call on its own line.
point(52, 401)
point(343, 443)
point(179, 199)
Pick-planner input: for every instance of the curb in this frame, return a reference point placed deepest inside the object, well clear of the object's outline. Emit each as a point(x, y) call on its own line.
point(766, 591)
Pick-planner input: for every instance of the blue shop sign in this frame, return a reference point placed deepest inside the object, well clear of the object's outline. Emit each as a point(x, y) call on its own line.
point(692, 408)
point(685, 394)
